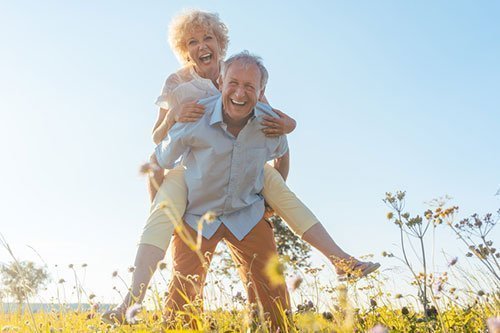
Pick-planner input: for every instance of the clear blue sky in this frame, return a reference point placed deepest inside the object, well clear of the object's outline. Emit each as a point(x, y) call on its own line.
point(387, 95)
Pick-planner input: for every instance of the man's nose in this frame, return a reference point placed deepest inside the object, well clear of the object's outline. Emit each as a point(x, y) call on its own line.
point(239, 92)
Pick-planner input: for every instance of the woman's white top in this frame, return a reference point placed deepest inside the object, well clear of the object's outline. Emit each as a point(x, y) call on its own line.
point(183, 86)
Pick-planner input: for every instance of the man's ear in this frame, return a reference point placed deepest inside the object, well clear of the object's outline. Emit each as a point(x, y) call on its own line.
point(261, 95)
point(219, 82)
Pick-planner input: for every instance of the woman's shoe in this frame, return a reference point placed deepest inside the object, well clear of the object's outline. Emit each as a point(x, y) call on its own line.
point(114, 316)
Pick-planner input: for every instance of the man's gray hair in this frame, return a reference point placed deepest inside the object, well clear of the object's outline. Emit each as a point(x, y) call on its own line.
point(247, 58)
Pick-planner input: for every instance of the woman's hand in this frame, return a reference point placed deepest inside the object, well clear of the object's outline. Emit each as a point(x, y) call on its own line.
point(274, 127)
point(188, 112)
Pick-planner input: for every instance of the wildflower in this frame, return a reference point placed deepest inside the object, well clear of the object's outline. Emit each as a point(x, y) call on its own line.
point(405, 311)
point(162, 265)
point(148, 168)
point(493, 324)
point(70, 266)
point(163, 205)
point(132, 312)
point(209, 216)
point(328, 315)
point(61, 281)
point(238, 297)
point(438, 287)
point(275, 270)
point(131, 269)
point(387, 254)
point(91, 296)
point(390, 215)
point(398, 296)
point(114, 274)
point(378, 329)
point(453, 261)
point(296, 282)
point(84, 265)
point(480, 293)
point(431, 312)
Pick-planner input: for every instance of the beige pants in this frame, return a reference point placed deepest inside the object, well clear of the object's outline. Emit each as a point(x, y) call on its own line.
point(171, 200)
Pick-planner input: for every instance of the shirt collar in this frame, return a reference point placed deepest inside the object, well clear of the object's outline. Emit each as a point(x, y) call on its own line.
point(217, 114)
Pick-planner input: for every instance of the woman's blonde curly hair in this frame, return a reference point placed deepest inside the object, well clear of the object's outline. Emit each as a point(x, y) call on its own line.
point(190, 20)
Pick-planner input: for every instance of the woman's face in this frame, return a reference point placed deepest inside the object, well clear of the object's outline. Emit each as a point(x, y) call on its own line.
point(204, 52)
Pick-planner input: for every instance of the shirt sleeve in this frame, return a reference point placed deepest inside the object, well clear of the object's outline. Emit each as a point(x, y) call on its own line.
point(281, 147)
point(173, 146)
point(167, 98)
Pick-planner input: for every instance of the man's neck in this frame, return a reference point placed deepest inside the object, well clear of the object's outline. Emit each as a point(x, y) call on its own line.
point(235, 126)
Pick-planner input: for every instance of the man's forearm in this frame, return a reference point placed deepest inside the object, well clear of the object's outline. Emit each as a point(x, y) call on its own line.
point(282, 165)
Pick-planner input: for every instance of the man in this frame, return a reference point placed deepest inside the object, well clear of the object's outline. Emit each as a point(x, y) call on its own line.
point(224, 155)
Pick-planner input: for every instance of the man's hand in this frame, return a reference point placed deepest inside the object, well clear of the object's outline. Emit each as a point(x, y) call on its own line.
point(188, 112)
point(278, 126)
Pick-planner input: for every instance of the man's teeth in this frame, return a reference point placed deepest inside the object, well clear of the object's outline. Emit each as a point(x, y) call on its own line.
point(237, 103)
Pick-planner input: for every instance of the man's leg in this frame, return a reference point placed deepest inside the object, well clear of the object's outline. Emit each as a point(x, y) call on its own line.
point(185, 291)
point(253, 253)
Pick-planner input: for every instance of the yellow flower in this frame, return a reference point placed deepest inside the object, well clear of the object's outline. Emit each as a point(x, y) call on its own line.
point(209, 216)
point(275, 271)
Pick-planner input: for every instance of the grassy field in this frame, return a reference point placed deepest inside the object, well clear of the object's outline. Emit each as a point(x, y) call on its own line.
point(383, 318)
point(456, 299)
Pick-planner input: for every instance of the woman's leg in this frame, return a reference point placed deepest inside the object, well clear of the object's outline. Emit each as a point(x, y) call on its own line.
point(167, 208)
point(155, 182)
point(303, 222)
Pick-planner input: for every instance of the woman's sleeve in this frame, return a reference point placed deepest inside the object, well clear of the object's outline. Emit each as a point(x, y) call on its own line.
point(167, 99)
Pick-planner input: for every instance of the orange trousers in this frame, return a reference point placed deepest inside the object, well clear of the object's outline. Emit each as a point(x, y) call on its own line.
point(251, 256)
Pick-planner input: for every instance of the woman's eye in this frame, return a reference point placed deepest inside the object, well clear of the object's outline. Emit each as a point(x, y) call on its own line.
point(208, 37)
point(192, 42)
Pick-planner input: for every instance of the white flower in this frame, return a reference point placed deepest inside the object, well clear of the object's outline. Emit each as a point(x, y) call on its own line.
point(132, 312)
point(493, 324)
point(378, 329)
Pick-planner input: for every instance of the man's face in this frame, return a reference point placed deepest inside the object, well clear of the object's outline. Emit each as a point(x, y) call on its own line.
point(240, 90)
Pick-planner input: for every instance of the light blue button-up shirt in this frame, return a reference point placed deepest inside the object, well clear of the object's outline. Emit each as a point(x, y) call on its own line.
point(224, 174)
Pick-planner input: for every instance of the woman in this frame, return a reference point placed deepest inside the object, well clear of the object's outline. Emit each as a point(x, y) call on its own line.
point(200, 41)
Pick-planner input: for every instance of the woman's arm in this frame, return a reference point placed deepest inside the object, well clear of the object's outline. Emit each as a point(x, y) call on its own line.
point(187, 112)
point(282, 164)
point(162, 125)
point(277, 126)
